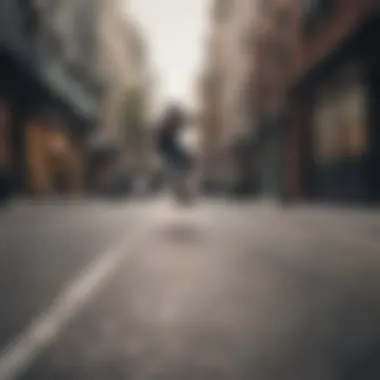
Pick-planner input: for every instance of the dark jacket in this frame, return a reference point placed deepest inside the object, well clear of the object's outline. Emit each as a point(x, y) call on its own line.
point(170, 149)
point(168, 142)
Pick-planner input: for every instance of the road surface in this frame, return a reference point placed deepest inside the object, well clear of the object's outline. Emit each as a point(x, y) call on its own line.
point(221, 291)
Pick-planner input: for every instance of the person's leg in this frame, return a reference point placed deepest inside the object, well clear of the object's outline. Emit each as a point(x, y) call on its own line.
point(195, 177)
point(171, 175)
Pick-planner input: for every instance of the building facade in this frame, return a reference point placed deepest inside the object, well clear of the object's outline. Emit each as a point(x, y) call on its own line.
point(274, 38)
point(51, 103)
point(210, 89)
point(306, 84)
point(138, 133)
point(227, 116)
point(125, 65)
point(333, 139)
point(18, 28)
point(66, 49)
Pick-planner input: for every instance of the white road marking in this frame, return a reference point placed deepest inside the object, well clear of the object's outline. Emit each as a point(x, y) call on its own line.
point(21, 352)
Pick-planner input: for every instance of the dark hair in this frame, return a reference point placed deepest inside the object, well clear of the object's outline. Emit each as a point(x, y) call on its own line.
point(174, 117)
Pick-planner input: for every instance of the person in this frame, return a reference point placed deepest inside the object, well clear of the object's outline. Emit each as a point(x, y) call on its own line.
point(177, 159)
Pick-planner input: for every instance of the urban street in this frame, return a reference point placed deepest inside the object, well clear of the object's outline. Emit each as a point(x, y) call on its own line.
point(221, 290)
point(189, 190)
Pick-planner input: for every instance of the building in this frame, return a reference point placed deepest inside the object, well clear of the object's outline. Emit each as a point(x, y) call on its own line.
point(66, 51)
point(209, 124)
point(214, 96)
point(333, 137)
point(116, 66)
point(124, 63)
point(138, 131)
point(49, 100)
point(301, 77)
point(18, 28)
point(228, 112)
point(274, 36)
point(238, 113)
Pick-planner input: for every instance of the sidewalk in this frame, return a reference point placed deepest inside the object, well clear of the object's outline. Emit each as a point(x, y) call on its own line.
point(352, 223)
point(360, 225)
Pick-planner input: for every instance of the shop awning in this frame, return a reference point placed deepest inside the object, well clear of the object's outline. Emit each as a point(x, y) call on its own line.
point(68, 89)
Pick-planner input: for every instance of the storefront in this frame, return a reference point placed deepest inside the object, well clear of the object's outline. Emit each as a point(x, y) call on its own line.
point(340, 138)
point(333, 137)
point(56, 129)
point(54, 164)
point(19, 91)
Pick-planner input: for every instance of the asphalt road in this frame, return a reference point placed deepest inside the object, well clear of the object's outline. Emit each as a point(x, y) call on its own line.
point(220, 291)
point(44, 244)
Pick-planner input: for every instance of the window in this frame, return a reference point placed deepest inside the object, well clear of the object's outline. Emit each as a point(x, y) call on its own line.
point(340, 123)
point(353, 121)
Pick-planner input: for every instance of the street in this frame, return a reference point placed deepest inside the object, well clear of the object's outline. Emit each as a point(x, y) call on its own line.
point(148, 290)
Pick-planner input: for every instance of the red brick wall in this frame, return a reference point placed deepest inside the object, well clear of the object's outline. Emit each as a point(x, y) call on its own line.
point(275, 43)
point(346, 16)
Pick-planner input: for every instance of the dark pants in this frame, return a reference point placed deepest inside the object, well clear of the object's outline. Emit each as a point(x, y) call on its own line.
point(178, 158)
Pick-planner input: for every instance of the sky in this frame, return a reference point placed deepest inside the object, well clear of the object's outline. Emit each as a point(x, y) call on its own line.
point(175, 30)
